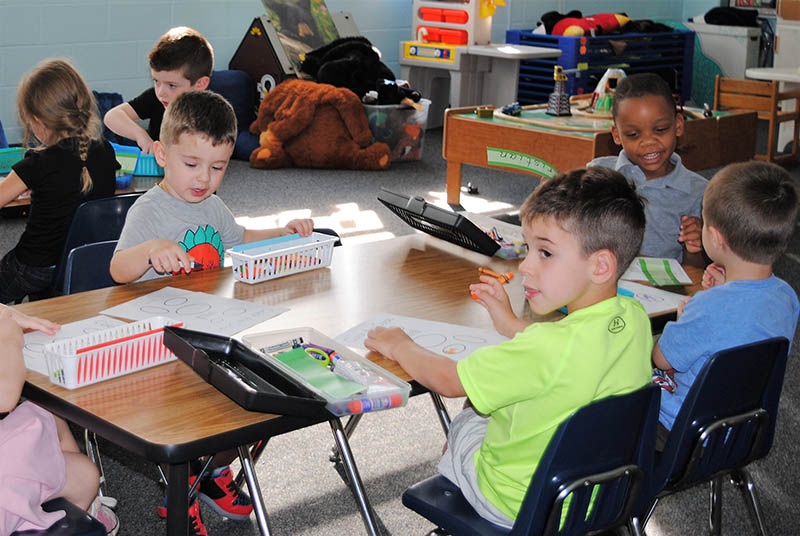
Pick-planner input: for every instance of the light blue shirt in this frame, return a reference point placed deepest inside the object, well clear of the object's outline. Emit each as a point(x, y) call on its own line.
point(736, 313)
point(678, 193)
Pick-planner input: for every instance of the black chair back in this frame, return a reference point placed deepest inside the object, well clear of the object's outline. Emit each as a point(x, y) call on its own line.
point(87, 267)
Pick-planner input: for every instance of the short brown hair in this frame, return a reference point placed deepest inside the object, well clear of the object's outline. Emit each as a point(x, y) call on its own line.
point(642, 85)
point(597, 205)
point(754, 205)
point(199, 112)
point(185, 49)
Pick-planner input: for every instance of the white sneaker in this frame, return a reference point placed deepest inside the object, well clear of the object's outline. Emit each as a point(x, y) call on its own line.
point(101, 511)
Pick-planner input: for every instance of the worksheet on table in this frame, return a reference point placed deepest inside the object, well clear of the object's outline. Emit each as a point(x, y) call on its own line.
point(448, 340)
point(197, 310)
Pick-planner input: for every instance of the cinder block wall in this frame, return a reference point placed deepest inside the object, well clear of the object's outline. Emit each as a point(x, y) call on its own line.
point(108, 40)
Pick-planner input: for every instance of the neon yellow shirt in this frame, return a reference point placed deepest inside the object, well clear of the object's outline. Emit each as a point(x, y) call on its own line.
point(531, 383)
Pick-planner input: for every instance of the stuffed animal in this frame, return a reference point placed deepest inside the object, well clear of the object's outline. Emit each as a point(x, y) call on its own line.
point(305, 124)
point(350, 62)
point(572, 24)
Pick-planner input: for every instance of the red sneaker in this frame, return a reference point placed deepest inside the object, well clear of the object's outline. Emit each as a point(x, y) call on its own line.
point(220, 492)
point(196, 525)
point(161, 510)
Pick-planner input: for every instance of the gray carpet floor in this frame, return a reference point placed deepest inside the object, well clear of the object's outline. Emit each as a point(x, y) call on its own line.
point(303, 493)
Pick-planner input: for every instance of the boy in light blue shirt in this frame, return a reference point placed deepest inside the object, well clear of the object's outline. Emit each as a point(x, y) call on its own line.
point(749, 217)
point(647, 125)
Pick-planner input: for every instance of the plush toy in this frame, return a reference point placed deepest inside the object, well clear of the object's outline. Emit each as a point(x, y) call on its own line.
point(350, 62)
point(305, 124)
point(572, 24)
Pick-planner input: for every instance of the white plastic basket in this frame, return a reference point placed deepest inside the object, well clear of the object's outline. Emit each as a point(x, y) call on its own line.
point(109, 353)
point(261, 261)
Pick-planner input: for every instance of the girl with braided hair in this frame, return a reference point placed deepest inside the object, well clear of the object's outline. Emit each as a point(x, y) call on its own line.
point(70, 163)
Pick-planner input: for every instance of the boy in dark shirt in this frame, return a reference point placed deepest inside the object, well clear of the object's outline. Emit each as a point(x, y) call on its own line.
point(180, 61)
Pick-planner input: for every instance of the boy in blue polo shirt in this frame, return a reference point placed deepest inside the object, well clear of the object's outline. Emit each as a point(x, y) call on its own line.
point(647, 125)
point(582, 229)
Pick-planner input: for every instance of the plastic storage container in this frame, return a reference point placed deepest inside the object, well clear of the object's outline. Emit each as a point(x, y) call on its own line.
point(267, 259)
point(381, 388)
point(9, 157)
point(147, 166)
point(664, 52)
point(109, 353)
point(400, 127)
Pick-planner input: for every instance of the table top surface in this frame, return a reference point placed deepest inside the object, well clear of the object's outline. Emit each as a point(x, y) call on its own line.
point(781, 74)
point(168, 413)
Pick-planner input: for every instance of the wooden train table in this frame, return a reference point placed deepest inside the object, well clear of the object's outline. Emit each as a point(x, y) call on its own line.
point(537, 144)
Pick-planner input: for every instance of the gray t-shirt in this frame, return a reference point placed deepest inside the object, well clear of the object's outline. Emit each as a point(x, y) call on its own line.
point(204, 230)
point(678, 193)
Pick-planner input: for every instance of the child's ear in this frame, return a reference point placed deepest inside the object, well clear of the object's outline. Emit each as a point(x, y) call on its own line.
point(160, 152)
point(202, 83)
point(679, 124)
point(717, 237)
point(604, 266)
point(615, 134)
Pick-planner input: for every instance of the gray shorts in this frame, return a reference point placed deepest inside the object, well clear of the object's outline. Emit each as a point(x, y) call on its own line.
point(457, 464)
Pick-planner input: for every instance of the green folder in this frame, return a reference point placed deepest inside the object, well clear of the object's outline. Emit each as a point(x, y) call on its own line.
point(321, 377)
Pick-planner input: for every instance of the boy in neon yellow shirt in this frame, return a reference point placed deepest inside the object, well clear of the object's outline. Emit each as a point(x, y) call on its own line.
point(582, 229)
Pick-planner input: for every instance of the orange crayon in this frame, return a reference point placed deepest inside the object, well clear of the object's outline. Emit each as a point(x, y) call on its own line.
point(503, 278)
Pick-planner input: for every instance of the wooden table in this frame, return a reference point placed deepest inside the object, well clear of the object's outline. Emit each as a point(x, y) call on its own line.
point(168, 414)
point(542, 151)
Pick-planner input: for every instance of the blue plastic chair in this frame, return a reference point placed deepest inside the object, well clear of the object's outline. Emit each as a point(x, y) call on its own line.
point(97, 220)
point(607, 445)
point(726, 422)
point(76, 523)
point(87, 267)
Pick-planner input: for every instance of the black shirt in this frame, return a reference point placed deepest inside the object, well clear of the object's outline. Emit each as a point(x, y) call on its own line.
point(53, 175)
point(147, 106)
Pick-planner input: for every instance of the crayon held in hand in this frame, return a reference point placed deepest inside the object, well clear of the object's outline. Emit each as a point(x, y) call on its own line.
point(503, 278)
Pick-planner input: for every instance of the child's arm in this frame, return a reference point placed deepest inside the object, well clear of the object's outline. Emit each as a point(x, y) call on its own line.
point(122, 120)
point(691, 236)
point(659, 360)
point(13, 365)
point(31, 322)
point(303, 227)
point(491, 294)
point(435, 372)
point(713, 275)
point(10, 188)
point(165, 256)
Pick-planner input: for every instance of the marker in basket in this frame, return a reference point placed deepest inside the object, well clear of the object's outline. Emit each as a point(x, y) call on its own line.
point(362, 405)
point(282, 345)
point(503, 278)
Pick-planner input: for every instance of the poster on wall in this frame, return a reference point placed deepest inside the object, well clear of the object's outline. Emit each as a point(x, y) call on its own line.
point(302, 26)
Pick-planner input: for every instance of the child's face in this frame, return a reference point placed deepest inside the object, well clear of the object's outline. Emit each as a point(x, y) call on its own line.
point(556, 272)
point(648, 128)
point(193, 166)
point(170, 84)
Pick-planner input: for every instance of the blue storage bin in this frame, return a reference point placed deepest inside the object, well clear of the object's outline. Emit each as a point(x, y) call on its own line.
point(147, 166)
point(650, 52)
point(9, 157)
point(128, 158)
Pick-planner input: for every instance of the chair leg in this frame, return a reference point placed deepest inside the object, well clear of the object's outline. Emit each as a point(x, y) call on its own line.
point(635, 527)
point(650, 512)
point(93, 452)
point(741, 479)
point(715, 507)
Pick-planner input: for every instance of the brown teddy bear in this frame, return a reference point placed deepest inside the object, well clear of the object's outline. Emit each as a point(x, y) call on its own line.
point(305, 124)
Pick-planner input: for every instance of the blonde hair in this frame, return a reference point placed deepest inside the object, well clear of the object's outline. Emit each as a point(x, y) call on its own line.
point(55, 94)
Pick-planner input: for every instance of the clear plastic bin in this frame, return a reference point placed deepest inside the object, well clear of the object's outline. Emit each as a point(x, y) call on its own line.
point(382, 389)
point(109, 353)
point(268, 259)
point(400, 127)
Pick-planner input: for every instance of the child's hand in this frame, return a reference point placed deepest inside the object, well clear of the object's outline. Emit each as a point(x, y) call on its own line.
point(691, 234)
point(145, 143)
point(713, 275)
point(29, 322)
point(385, 341)
point(491, 294)
point(681, 307)
point(303, 227)
point(167, 256)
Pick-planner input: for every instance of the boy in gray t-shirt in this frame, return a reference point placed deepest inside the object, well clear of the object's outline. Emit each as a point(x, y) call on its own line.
point(180, 224)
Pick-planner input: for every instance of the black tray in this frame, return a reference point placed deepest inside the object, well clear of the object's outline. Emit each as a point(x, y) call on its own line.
point(438, 222)
point(244, 375)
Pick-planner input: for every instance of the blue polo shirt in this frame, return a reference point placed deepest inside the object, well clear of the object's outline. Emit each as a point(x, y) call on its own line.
point(676, 194)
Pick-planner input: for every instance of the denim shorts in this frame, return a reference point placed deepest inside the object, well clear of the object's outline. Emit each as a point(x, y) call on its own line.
point(18, 280)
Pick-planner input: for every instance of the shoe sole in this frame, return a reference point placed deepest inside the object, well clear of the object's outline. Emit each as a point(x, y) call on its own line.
point(208, 501)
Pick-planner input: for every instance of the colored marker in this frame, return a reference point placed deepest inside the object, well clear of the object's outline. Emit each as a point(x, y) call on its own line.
point(195, 265)
point(503, 278)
